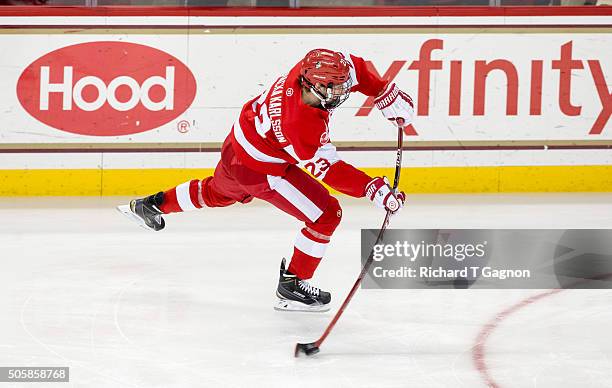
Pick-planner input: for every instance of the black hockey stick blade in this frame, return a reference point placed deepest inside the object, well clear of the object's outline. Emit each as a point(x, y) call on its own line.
point(309, 349)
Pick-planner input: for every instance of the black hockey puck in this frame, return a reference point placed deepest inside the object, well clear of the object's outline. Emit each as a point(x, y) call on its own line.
point(308, 349)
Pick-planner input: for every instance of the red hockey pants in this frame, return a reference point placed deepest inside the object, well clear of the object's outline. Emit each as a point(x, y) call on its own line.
point(295, 193)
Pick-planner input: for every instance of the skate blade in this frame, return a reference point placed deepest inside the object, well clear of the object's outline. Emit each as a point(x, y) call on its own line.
point(290, 305)
point(126, 211)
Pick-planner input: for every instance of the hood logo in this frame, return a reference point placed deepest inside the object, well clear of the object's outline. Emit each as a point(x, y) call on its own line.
point(106, 88)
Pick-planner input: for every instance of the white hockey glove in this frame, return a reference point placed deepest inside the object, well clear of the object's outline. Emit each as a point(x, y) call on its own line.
point(382, 195)
point(395, 105)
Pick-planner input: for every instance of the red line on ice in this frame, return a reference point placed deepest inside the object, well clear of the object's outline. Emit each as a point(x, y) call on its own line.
point(478, 350)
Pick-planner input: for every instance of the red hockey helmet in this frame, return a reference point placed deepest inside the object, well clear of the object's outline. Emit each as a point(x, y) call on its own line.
point(330, 69)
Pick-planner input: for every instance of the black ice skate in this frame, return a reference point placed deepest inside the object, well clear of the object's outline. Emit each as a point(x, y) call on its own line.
point(145, 211)
point(295, 294)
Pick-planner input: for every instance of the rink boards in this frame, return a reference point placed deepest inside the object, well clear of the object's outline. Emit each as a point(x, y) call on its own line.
point(121, 102)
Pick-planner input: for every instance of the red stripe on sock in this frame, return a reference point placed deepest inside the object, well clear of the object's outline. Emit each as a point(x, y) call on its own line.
point(303, 265)
point(170, 204)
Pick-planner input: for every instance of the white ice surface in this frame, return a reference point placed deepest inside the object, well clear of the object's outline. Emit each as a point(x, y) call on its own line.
point(191, 306)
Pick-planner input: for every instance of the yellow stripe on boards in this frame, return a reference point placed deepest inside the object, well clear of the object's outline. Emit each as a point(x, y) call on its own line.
point(50, 182)
point(443, 179)
point(414, 180)
point(557, 179)
point(148, 181)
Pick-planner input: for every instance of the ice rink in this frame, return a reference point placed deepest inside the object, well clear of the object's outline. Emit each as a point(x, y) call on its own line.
point(191, 306)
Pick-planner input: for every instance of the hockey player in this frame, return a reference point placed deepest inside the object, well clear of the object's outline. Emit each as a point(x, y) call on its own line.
point(285, 126)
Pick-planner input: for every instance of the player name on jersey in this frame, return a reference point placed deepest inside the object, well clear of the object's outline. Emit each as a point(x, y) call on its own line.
point(275, 109)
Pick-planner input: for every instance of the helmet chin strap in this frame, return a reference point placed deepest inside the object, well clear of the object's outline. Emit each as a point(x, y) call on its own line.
point(325, 100)
point(318, 95)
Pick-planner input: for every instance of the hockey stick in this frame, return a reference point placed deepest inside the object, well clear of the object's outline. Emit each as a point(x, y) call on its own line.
point(313, 347)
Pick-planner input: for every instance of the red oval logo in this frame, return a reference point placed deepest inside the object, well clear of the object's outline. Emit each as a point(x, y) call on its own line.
point(106, 88)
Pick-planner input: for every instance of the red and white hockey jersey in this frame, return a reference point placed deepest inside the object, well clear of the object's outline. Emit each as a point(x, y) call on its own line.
point(276, 129)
